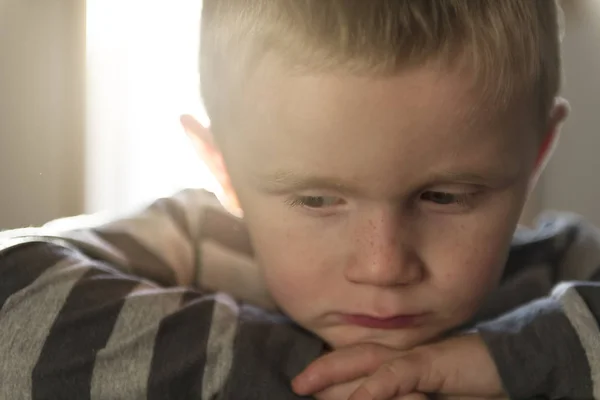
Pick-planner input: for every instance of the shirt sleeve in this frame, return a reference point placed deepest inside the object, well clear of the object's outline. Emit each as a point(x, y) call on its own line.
point(550, 347)
point(74, 327)
point(187, 239)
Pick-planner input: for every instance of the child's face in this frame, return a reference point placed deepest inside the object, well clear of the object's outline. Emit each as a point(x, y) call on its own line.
point(381, 209)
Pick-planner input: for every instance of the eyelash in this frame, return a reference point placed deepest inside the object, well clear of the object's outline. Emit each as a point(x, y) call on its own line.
point(303, 201)
point(460, 200)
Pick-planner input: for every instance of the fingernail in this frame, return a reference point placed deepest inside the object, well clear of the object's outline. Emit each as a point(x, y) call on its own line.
point(298, 387)
point(301, 384)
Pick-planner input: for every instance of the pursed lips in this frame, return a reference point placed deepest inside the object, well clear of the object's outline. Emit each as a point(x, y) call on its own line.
point(401, 321)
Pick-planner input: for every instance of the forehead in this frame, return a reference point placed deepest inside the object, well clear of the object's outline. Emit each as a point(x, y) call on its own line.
point(363, 128)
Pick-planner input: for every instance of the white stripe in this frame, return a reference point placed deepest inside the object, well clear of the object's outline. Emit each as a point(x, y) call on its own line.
point(122, 368)
point(88, 242)
point(586, 327)
point(194, 204)
point(233, 273)
point(219, 349)
point(32, 310)
point(160, 235)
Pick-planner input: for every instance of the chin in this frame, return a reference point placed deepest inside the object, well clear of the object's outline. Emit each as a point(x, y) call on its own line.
point(401, 339)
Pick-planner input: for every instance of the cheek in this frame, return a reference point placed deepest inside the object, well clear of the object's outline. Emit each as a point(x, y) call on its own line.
point(468, 265)
point(475, 277)
point(296, 279)
point(296, 264)
point(464, 289)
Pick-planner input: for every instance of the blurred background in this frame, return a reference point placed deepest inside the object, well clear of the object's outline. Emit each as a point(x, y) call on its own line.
point(91, 92)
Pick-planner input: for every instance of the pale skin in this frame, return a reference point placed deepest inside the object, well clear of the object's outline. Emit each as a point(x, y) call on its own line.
point(380, 197)
point(455, 368)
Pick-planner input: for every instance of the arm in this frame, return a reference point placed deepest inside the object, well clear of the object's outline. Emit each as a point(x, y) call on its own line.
point(548, 346)
point(75, 327)
point(551, 346)
point(188, 239)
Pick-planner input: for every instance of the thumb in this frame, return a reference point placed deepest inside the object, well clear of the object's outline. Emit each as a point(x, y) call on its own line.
point(340, 366)
point(412, 372)
point(459, 366)
point(463, 365)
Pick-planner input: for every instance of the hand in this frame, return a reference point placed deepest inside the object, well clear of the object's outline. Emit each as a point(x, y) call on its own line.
point(459, 367)
point(344, 391)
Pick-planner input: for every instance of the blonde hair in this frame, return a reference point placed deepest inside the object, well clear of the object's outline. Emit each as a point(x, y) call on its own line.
point(512, 45)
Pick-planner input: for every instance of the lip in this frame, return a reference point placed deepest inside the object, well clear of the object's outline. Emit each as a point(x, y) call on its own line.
point(395, 322)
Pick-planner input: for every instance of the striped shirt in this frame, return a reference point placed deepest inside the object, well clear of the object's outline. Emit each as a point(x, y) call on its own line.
point(135, 308)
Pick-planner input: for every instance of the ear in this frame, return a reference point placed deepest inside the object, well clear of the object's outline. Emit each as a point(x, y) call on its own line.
point(558, 115)
point(209, 153)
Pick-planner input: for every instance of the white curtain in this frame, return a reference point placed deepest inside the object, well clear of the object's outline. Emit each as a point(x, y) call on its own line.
point(142, 74)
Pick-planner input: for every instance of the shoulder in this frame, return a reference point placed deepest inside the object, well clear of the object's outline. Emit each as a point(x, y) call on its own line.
point(555, 236)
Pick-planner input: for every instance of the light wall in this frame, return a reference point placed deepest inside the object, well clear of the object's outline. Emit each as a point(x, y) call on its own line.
point(41, 102)
point(42, 60)
point(572, 179)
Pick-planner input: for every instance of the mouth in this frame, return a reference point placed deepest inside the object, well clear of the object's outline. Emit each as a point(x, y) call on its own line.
point(394, 322)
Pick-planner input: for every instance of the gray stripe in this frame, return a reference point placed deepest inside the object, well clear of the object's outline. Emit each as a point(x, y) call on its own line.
point(583, 257)
point(586, 327)
point(219, 349)
point(143, 262)
point(92, 245)
point(32, 310)
point(523, 287)
point(176, 212)
point(269, 352)
point(537, 351)
point(164, 243)
point(225, 228)
point(122, 367)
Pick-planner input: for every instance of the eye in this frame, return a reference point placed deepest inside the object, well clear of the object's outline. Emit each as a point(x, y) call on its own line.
point(315, 201)
point(446, 198)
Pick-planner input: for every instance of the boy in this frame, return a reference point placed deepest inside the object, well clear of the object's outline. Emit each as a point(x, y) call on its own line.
point(381, 152)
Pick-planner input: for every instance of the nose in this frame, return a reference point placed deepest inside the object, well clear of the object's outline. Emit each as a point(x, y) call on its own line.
point(383, 255)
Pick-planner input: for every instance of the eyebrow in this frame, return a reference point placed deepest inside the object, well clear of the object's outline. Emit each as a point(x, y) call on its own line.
point(288, 181)
point(492, 176)
point(467, 177)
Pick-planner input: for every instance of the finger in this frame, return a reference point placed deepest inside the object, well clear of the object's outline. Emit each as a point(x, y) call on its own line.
point(412, 396)
point(342, 365)
point(440, 397)
point(397, 378)
point(339, 392)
